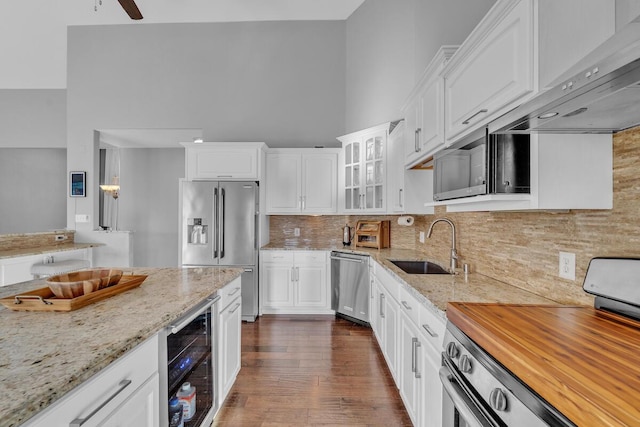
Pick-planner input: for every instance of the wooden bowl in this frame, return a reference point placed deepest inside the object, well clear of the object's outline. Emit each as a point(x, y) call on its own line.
point(72, 285)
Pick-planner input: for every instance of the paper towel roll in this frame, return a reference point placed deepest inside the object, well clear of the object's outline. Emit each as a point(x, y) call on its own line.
point(405, 220)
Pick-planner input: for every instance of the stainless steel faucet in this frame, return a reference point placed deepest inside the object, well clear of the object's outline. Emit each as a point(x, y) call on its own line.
point(454, 252)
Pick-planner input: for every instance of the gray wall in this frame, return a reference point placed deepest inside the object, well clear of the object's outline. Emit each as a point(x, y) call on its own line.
point(148, 203)
point(33, 118)
point(389, 44)
point(278, 82)
point(33, 189)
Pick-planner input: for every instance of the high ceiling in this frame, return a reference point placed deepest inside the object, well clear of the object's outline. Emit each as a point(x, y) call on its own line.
point(38, 60)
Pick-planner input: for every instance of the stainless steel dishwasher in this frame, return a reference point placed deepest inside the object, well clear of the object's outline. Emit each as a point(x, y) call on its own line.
point(350, 286)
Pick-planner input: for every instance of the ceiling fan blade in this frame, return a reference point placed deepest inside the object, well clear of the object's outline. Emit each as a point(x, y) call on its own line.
point(131, 8)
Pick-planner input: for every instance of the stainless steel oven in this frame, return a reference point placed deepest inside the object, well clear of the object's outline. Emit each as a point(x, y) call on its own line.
point(479, 392)
point(188, 355)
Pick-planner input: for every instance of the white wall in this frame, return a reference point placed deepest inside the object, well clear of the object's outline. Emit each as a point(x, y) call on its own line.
point(389, 44)
point(33, 189)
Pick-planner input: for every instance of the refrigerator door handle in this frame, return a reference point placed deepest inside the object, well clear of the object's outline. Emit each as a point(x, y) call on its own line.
point(221, 229)
point(214, 231)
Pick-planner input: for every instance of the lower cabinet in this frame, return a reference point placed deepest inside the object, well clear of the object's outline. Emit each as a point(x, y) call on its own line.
point(229, 333)
point(410, 338)
point(411, 368)
point(295, 282)
point(124, 394)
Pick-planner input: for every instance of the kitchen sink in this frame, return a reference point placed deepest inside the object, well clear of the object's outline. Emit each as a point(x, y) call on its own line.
point(420, 267)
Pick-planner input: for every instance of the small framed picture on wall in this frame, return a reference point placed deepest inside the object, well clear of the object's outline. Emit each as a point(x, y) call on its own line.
point(78, 184)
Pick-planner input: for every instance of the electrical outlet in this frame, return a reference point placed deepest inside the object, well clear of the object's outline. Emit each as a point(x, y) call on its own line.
point(422, 237)
point(567, 265)
point(82, 218)
point(296, 232)
point(60, 237)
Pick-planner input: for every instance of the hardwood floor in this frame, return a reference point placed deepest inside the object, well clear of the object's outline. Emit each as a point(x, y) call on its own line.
point(314, 371)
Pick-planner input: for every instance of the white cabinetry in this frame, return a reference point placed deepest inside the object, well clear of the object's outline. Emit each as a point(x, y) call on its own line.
point(424, 112)
point(408, 190)
point(516, 50)
point(125, 394)
point(387, 318)
point(18, 269)
point(492, 70)
point(224, 160)
point(410, 336)
point(302, 181)
point(363, 171)
point(229, 333)
point(295, 282)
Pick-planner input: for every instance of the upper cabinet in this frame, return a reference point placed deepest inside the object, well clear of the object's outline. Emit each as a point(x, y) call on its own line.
point(410, 189)
point(363, 170)
point(518, 49)
point(302, 181)
point(424, 112)
point(224, 160)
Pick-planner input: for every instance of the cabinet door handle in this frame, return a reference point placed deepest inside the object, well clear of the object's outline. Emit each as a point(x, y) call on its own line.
point(304, 202)
point(429, 330)
point(418, 148)
point(382, 306)
point(297, 274)
point(78, 422)
point(466, 122)
point(407, 306)
point(293, 274)
point(400, 197)
point(414, 357)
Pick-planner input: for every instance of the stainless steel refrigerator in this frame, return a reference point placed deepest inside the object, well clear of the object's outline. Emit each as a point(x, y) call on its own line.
point(219, 227)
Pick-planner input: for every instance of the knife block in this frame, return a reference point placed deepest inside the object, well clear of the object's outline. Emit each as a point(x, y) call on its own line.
point(373, 234)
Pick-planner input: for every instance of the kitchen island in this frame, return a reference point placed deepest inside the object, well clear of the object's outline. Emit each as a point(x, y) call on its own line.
point(44, 355)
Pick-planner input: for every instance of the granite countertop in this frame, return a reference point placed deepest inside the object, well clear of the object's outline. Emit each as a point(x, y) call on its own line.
point(44, 355)
point(436, 290)
point(12, 253)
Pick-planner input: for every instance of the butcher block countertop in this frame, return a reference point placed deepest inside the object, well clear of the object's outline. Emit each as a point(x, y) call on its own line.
point(583, 361)
point(44, 355)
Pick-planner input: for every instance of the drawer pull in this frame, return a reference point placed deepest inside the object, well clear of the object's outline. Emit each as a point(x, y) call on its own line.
point(235, 308)
point(466, 122)
point(235, 291)
point(407, 306)
point(429, 330)
point(78, 422)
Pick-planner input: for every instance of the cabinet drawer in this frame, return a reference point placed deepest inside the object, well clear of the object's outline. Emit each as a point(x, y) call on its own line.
point(410, 306)
point(277, 256)
point(432, 328)
point(314, 257)
point(390, 284)
point(229, 293)
point(137, 367)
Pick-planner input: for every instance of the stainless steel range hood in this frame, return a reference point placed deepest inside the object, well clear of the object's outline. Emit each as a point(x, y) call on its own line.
point(600, 94)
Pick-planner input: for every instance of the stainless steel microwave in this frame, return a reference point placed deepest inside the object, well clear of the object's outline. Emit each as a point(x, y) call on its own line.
point(491, 164)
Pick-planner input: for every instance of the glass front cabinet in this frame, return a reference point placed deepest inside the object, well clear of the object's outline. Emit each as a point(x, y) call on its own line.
point(364, 167)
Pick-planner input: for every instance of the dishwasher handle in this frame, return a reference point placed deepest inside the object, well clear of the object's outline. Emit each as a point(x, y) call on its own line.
point(338, 258)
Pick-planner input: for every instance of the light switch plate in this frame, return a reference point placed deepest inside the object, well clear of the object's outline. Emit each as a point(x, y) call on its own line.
point(82, 218)
point(567, 265)
point(296, 232)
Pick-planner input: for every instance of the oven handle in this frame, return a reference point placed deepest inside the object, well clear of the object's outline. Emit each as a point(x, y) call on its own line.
point(195, 312)
point(454, 391)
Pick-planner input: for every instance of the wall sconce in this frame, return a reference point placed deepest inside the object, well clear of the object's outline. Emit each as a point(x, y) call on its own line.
point(113, 190)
